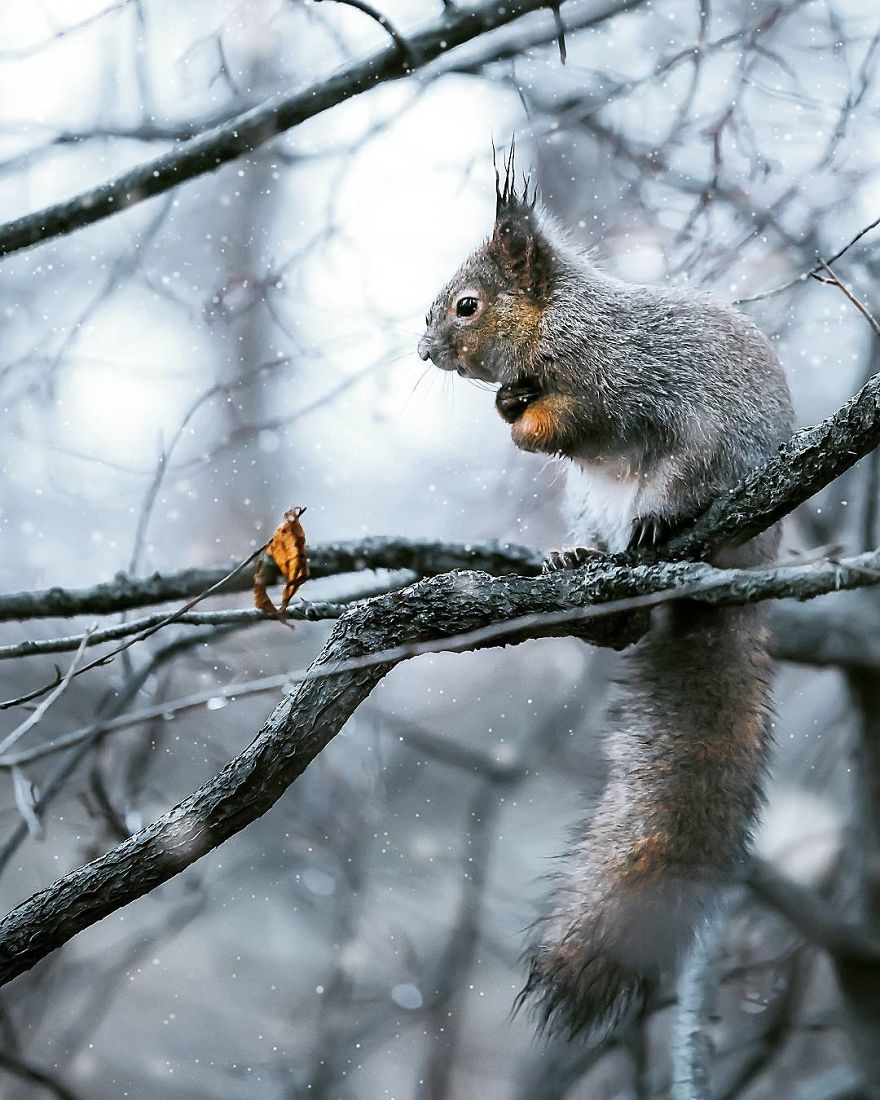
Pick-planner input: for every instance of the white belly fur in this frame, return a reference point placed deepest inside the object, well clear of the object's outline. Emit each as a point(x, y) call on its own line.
point(604, 498)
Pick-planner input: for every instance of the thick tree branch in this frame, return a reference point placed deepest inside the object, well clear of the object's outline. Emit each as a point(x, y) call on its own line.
point(843, 632)
point(450, 606)
point(810, 460)
point(800, 643)
point(255, 127)
point(692, 1046)
point(452, 610)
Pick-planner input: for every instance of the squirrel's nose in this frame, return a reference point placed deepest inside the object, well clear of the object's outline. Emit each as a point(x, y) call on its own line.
point(425, 348)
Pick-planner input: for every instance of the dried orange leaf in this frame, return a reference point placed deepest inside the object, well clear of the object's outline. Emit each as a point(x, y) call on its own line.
point(287, 547)
point(262, 599)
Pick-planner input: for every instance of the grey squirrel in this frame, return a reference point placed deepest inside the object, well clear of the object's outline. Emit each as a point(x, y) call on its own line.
point(660, 399)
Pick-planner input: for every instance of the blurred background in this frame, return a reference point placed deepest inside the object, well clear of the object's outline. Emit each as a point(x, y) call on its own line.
point(174, 377)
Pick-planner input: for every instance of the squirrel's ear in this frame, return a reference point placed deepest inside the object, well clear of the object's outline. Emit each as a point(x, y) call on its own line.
point(521, 250)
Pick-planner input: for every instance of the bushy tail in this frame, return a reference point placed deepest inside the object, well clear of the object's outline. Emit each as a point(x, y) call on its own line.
point(687, 749)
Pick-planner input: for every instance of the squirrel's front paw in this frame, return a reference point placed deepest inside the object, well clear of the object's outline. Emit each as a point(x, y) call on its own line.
point(649, 532)
point(572, 558)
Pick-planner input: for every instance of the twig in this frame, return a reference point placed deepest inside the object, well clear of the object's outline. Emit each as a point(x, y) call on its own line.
point(165, 620)
point(385, 23)
point(554, 6)
point(145, 714)
point(24, 794)
point(152, 492)
point(20, 730)
point(20, 52)
point(813, 271)
point(58, 778)
point(835, 280)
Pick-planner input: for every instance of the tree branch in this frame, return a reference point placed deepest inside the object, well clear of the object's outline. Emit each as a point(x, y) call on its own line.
point(303, 610)
point(385, 23)
point(422, 556)
point(813, 271)
point(854, 951)
point(447, 606)
point(812, 915)
point(692, 1045)
point(452, 611)
point(248, 131)
point(810, 460)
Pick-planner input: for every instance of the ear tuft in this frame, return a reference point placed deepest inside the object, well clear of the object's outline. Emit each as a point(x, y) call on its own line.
point(518, 244)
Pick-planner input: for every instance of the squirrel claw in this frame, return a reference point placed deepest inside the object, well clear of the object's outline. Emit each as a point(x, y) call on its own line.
point(648, 532)
point(572, 558)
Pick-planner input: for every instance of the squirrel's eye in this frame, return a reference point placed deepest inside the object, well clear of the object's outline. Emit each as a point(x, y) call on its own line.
point(466, 307)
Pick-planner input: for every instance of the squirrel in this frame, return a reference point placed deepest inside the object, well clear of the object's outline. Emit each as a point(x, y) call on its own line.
point(659, 399)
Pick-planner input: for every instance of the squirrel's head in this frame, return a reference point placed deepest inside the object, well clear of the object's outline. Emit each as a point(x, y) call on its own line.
point(486, 322)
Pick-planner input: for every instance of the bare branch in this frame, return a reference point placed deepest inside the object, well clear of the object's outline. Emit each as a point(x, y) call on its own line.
point(697, 987)
point(145, 714)
point(36, 716)
point(309, 611)
point(842, 632)
point(17, 53)
point(834, 280)
point(810, 460)
point(248, 131)
point(802, 642)
point(452, 605)
point(58, 778)
point(147, 632)
point(813, 271)
point(422, 556)
point(811, 915)
point(854, 951)
point(385, 23)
